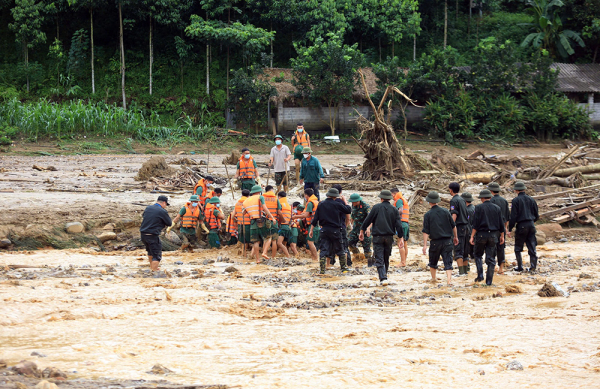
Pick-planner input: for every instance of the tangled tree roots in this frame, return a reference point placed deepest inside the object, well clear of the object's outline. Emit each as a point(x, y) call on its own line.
point(384, 155)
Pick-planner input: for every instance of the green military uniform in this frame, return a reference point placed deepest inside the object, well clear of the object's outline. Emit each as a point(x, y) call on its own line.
point(316, 230)
point(214, 240)
point(248, 183)
point(358, 215)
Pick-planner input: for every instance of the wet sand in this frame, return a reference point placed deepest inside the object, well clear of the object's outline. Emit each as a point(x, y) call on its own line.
point(252, 328)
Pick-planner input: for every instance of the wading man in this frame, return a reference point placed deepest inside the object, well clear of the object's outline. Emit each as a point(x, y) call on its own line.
point(300, 140)
point(311, 172)
point(190, 218)
point(213, 217)
point(439, 226)
point(468, 197)
point(503, 204)
point(312, 204)
point(488, 231)
point(523, 215)
point(402, 204)
point(154, 219)
point(331, 216)
point(360, 210)
point(386, 223)
point(458, 210)
point(246, 172)
point(255, 209)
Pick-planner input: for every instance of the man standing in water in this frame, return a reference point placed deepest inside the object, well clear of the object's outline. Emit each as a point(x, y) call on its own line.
point(386, 223)
point(154, 219)
point(439, 225)
point(488, 231)
point(300, 140)
point(458, 209)
point(503, 204)
point(523, 215)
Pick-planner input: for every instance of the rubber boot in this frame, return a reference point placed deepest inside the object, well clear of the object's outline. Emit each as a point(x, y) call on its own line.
point(468, 267)
point(370, 261)
point(519, 262)
point(479, 264)
point(348, 259)
point(343, 266)
point(489, 276)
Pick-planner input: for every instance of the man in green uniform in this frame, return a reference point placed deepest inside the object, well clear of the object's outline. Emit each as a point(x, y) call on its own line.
point(439, 225)
point(255, 209)
point(503, 204)
point(311, 206)
point(301, 231)
point(360, 210)
point(311, 172)
point(188, 229)
point(247, 172)
point(213, 235)
point(468, 197)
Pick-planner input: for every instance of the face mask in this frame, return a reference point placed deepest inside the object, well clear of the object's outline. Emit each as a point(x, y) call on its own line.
point(218, 205)
point(210, 185)
point(300, 129)
point(277, 142)
point(194, 204)
point(247, 156)
point(305, 155)
point(293, 209)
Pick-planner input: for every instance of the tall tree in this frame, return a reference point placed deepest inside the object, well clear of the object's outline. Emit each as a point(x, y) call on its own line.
point(122, 51)
point(29, 16)
point(248, 38)
point(327, 72)
point(550, 34)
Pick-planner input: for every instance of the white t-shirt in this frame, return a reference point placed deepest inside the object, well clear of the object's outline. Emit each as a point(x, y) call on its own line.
point(278, 155)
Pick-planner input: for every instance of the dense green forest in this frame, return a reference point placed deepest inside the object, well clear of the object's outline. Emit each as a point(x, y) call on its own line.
point(183, 63)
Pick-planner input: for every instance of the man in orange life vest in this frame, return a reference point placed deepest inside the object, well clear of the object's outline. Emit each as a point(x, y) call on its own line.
point(202, 188)
point(190, 218)
point(311, 207)
point(242, 222)
point(285, 225)
point(402, 204)
point(246, 172)
point(255, 209)
point(213, 217)
point(274, 206)
point(300, 140)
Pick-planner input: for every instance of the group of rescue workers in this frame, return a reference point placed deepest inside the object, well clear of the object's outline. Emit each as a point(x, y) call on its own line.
point(336, 226)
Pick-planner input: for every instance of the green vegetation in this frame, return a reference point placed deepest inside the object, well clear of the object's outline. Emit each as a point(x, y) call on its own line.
point(177, 67)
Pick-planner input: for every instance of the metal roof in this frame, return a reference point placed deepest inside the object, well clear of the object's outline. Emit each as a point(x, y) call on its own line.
point(578, 77)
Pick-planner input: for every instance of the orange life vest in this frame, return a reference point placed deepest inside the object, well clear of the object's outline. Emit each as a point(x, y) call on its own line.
point(190, 218)
point(271, 203)
point(301, 139)
point(202, 183)
point(405, 208)
point(300, 225)
point(209, 196)
point(210, 218)
point(231, 225)
point(253, 206)
point(247, 169)
point(238, 212)
point(315, 201)
point(286, 211)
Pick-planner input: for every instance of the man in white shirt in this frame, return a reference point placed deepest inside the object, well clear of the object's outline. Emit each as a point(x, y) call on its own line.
point(280, 157)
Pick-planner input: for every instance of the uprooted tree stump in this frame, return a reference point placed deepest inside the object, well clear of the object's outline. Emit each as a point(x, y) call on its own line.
point(384, 155)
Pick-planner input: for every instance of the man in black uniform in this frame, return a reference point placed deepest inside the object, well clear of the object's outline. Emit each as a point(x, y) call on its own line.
point(523, 214)
point(439, 225)
point(458, 209)
point(386, 223)
point(488, 229)
point(503, 204)
point(331, 215)
point(154, 219)
point(468, 197)
point(344, 229)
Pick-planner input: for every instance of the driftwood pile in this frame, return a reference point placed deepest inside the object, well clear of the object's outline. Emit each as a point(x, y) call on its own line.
point(384, 155)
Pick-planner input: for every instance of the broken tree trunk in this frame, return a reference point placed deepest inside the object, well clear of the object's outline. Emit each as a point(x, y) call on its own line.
point(556, 194)
point(589, 169)
point(575, 207)
point(576, 214)
point(591, 177)
point(550, 171)
point(480, 177)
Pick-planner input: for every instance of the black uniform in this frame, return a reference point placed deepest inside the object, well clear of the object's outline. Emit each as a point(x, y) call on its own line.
point(487, 221)
point(439, 225)
point(458, 207)
point(154, 219)
point(523, 214)
point(468, 246)
point(505, 211)
point(386, 223)
point(331, 215)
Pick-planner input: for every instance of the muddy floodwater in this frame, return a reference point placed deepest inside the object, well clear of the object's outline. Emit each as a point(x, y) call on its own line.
point(214, 317)
point(281, 326)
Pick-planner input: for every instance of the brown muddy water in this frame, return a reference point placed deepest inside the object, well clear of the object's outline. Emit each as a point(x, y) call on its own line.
point(96, 315)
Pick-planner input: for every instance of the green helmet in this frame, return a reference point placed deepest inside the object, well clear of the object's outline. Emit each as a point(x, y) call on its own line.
point(255, 189)
point(214, 200)
point(194, 199)
point(354, 198)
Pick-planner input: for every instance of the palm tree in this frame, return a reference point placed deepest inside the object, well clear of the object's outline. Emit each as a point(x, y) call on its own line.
point(549, 33)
